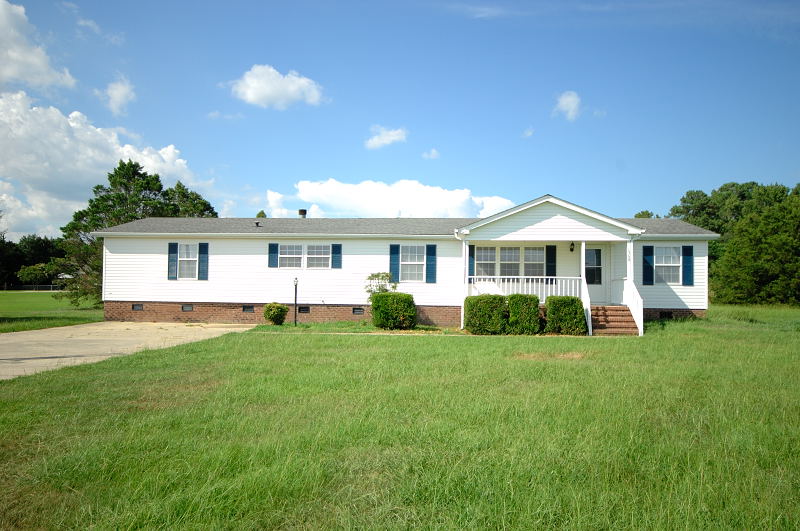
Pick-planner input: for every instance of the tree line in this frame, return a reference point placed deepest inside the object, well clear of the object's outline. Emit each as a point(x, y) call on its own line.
point(756, 259)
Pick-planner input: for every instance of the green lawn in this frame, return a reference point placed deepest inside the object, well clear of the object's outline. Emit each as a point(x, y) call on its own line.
point(694, 425)
point(32, 310)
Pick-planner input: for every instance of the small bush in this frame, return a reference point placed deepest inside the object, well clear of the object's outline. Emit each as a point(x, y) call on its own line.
point(393, 311)
point(486, 314)
point(565, 316)
point(275, 313)
point(523, 314)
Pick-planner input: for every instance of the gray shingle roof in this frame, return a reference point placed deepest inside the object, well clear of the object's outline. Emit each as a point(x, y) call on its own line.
point(332, 226)
point(353, 226)
point(665, 226)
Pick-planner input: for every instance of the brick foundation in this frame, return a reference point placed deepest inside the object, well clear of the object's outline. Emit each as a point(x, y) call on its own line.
point(223, 312)
point(651, 314)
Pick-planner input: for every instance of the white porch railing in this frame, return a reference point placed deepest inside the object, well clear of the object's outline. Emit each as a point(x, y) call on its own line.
point(542, 287)
point(633, 300)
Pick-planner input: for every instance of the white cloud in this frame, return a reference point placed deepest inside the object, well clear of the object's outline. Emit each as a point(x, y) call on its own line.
point(527, 133)
point(52, 161)
point(482, 11)
point(404, 198)
point(599, 113)
point(433, 153)
point(117, 95)
point(217, 115)
point(275, 208)
point(264, 86)
point(383, 137)
point(568, 104)
point(21, 61)
point(228, 208)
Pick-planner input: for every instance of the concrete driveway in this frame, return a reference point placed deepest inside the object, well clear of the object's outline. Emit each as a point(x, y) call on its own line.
point(40, 350)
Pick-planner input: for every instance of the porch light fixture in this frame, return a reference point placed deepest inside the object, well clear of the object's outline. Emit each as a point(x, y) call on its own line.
point(572, 247)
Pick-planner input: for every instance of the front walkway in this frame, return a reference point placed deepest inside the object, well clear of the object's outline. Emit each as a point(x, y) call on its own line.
point(34, 351)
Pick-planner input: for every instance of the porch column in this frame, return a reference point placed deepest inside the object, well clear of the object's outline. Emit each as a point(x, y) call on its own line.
point(583, 260)
point(465, 266)
point(629, 260)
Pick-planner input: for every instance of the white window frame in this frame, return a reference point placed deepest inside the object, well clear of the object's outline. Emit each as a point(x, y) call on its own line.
point(479, 249)
point(415, 263)
point(188, 259)
point(324, 252)
point(525, 260)
point(283, 252)
point(502, 262)
point(658, 278)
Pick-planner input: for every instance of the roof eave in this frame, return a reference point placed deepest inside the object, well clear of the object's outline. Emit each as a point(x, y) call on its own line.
point(285, 235)
point(679, 237)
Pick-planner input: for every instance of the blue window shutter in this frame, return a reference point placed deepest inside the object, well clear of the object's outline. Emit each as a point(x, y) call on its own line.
point(471, 262)
point(202, 261)
point(430, 264)
point(273, 255)
point(688, 265)
point(336, 256)
point(550, 260)
point(172, 263)
point(647, 265)
point(394, 262)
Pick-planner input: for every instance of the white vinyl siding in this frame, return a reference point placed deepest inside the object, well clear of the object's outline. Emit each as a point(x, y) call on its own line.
point(134, 271)
point(662, 295)
point(412, 263)
point(548, 222)
point(187, 261)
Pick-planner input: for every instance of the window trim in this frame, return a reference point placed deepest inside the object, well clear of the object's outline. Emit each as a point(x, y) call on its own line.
point(521, 262)
point(423, 263)
point(196, 261)
point(281, 255)
point(306, 256)
point(657, 279)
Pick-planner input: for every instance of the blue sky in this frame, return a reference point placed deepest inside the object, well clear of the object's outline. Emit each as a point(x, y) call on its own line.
point(396, 108)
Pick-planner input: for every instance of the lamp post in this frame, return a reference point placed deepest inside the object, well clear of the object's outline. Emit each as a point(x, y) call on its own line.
point(295, 301)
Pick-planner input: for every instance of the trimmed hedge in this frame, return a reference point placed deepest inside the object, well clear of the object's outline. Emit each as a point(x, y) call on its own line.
point(275, 313)
point(393, 310)
point(565, 316)
point(486, 314)
point(523, 314)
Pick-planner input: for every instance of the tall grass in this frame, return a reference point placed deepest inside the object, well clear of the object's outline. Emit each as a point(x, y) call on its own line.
point(696, 424)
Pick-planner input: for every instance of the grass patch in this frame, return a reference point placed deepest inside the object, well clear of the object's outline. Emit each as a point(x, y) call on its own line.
point(694, 425)
point(349, 327)
point(33, 310)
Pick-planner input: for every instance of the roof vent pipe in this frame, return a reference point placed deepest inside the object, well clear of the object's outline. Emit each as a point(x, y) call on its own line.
point(258, 223)
point(302, 213)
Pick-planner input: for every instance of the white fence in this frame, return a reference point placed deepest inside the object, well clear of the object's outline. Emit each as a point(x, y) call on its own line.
point(542, 287)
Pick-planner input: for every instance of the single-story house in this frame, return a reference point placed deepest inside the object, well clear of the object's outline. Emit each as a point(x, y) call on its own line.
point(225, 269)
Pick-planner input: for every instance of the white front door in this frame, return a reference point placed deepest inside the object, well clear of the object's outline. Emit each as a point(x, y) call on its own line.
point(597, 273)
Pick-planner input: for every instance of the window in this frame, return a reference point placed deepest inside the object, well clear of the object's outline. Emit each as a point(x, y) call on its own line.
point(304, 309)
point(667, 261)
point(358, 311)
point(412, 263)
point(137, 307)
point(248, 308)
point(187, 260)
point(484, 261)
point(187, 307)
point(509, 261)
point(290, 255)
point(534, 261)
point(318, 256)
point(594, 266)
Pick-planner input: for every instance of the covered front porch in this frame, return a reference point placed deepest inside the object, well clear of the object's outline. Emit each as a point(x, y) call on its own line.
point(598, 272)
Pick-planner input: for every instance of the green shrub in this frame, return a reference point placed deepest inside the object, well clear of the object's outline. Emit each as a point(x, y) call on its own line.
point(486, 314)
point(523, 314)
point(565, 316)
point(393, 311)
point(275, 313)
